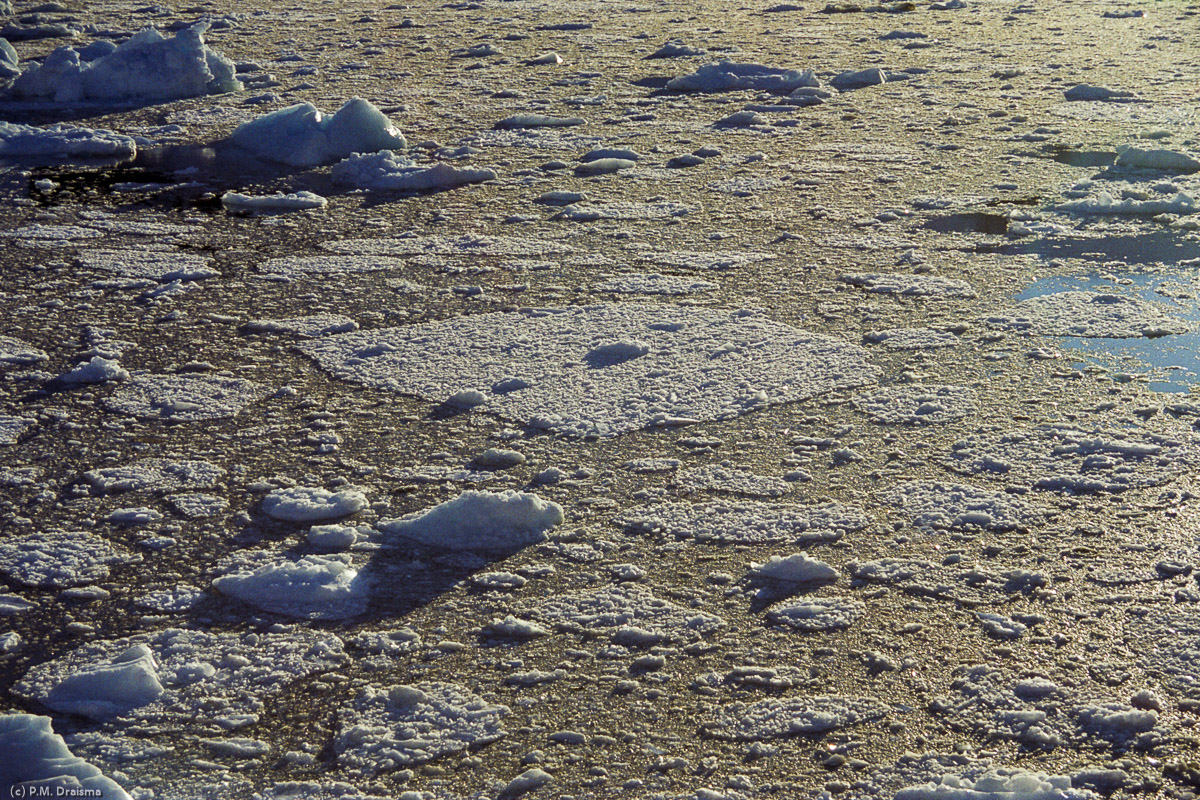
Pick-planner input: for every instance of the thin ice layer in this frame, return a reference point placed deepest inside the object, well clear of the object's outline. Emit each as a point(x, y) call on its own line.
point(600, 371)
point(401, 726)
point(745, 523)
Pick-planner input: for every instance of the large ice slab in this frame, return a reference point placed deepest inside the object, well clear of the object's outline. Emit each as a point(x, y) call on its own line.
point(599, 371)
point(63, 141)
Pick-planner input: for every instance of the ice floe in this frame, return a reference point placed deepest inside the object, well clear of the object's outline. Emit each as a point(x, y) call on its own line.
point(912, 338)
point(483, 521)
point(816, 614)
point(63, 141)
point(732, 481)
point(147, 67)
point(780, 717)
point(728, 76)
point(312, 504)
point(238, 202)
point(1091, 315)
point(934, 506)
point(309, 327)
point(301, 136)
point(156, 474)
point(910, 285)
point(157, 265)
point(406, 725)
point(11, 428)
point(313, 587)
point(628, 614)
point(917, 404)
point(108, 690)
point(184, 398)
point(746, 523)
point(448, 245)
point(18, 353)
point(699, 364)
point(1062, 457)
point(57, 560)
point(388, 171)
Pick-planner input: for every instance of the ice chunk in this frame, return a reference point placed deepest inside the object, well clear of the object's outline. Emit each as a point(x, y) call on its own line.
point(33, 752)
point(1159, 160)
point(159, 474)
point(387, 171)
point(185, 398)
point(407, 725)
point(162, 266)
point(314, 587)
point(302, 136)
point(779, 717)
point(850, 80)
point(97, 370)
point(484, 521)
point(746, 523)
point(63, 141)
point(700, 364)
point(797, 569)
point(271, 203)
point(311, 504)
point(727, 76)
point(146, 68)
point(109, 690)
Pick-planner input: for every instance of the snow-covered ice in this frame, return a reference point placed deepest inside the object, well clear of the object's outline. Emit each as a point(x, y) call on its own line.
point(271, 203)
point(108, 690)
point(156, 474)
point(816, 614)
point(63, 141)
point(933, 506)
point(728, 76)
point(629, 614)
point(910, 285)
point(796, 716)
point(732, 481)
point(1090, 314)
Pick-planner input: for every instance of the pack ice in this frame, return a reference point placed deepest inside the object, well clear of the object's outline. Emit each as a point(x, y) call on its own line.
point(148, 67)
point(301, 136)
point(599, 371)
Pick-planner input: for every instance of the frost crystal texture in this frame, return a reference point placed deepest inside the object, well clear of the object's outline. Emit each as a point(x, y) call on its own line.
point(699, 364)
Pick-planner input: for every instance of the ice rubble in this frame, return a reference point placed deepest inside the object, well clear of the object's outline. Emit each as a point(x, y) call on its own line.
point(816, 614)
point(406, 725)
point(312, 587)
point(1061, 457)
point(63, 141)
point(933, 506)
point(779, 717)
point(727, 76)
point(57, 560)
point(312, 504)
point(35, 754)
point(700, 364)
point(146, 68)
point(629, 614)
point(483, 521)
point(301, 136)
point(96, 370)
point(155, 474)
point(184, 398)
point(212, 681)
point(388, 171)
point(724, 479)
point(1123, 197)
point(910, 285)
point(917, 404)
point(745, 523)
point(1090, 314)
point(716, 260)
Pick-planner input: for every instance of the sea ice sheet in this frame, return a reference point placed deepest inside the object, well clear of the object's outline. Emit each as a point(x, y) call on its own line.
point(599, 371)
